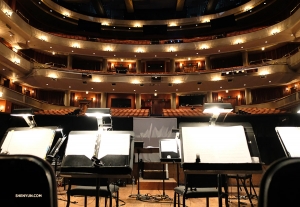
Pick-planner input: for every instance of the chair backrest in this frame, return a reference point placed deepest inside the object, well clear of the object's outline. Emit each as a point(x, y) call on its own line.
point(201, 180)
point(280, 184)
point(27, 180)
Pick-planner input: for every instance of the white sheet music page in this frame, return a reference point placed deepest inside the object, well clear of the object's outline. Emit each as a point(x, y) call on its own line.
point(114, 144)
point(81, 143)
point(215, 144)
point(29, 141)
point(168, 145)
point(290, 136)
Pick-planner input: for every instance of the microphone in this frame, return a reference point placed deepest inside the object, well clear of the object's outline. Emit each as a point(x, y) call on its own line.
point(198, 158)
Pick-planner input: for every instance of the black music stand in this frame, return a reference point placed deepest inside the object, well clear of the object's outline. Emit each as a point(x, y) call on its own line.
point(197, 137)
point(138, 145)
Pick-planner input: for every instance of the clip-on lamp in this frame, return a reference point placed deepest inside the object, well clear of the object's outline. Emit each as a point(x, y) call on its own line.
point(215, 109)
point(27, 115)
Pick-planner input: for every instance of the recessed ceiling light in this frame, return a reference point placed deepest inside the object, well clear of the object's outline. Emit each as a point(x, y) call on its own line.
point(221, 87)
point(94, 53)
point(47, 84)
point(72, 51)
point(92, 88)
point(69, 86)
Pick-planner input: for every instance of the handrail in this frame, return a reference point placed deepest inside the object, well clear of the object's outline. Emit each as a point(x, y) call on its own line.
point(18, 12)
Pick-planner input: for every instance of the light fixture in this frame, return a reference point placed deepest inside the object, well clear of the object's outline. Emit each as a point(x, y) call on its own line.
point(99, 113)
point(27, 114)
point(215, 109)
point(11, 33)
point(1, 94)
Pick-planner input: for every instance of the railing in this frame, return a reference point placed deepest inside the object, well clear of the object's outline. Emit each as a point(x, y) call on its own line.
point(278, 103)
point(21, 15)
point(22, 99)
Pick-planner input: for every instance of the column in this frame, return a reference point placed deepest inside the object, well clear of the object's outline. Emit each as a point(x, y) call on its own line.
point(209, 97)
point(138, 66)
point(172, 65)
point(245, 58)
point(173, 100)
point(207, 63)
point(137, 101)
point(103, 100)
point(248, 96)
point(104, 65)
point(69, 62)
point(67, 98)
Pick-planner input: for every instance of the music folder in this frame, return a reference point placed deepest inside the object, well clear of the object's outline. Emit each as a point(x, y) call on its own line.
point(35, 141)
point(170, 150)
point(289, 138)
point(110, 147)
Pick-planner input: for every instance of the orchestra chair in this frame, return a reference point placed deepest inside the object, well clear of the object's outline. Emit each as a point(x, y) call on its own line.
point(199, 186)
point(243, 179)
point(280, 183)
point(27, 180)
point(87, 187)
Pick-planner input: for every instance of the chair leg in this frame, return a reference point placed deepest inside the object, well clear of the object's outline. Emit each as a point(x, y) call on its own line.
point(110, 201)
point(207, 201)
point(85, 201)
point(68, 199)
point(174, 199)
point(117, 199)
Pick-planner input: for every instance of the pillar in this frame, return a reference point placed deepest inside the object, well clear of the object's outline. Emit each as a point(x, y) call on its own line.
point(137, 101)
point(209, 98)
point(69, 62)
point(245, 58)
point(172, 65)
point(138, 66)
point(103, 100)
point(248, 96)
point(104, 65)
point(207, 63)
point(67, 98)
point(173, 100)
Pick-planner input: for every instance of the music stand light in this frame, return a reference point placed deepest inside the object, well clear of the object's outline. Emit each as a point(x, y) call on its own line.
point(27, 114)
point(99, 113)
point(215, 109)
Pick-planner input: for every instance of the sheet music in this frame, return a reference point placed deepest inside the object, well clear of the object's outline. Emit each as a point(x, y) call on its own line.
point(81, 143)
point(215, 144)
point(168, 145)
point(290, 136)
point(114, 144)
point(29, 141)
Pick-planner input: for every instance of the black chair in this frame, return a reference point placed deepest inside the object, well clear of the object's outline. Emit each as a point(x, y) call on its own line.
point(280, 184)
point(200, 186)
point(87, 187)
point(27, 181)
point(243, 178)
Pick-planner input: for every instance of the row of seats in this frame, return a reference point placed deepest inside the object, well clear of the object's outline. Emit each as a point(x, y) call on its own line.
point(181, 112)
point(55, 112)
point(130, 112)
point(148, 42)
point(255, 110)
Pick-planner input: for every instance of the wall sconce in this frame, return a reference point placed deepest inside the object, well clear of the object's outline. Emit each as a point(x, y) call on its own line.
point(155, 94)
point(1, 108)
point(75, 45)
point(76, 98)
point(275, 31)
point(14, 49)
point(1, 94)
point(66, 14)
point(16, 61)
point(86, 92)
point(11, 34)
point(8, 12)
